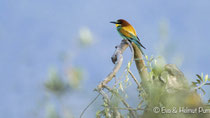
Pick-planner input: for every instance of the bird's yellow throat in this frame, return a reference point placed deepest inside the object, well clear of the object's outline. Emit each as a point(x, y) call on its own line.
point(117, 25)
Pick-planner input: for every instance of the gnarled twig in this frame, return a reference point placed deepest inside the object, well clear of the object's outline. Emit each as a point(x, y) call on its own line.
point(117, 57)
point(134, 78)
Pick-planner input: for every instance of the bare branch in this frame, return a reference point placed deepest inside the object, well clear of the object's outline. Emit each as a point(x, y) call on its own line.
point(134, 78)
point(89, 105)
point(132, 51)
point(141, 67)
point(105, 96)
point(137, 109)
point(122, 100)
point(117, 56)
point(117, 59)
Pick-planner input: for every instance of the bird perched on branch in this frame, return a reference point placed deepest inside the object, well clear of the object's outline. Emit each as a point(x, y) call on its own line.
point(127, 31)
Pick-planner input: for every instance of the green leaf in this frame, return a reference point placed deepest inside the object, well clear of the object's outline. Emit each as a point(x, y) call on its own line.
point(140, 104)
point(198, 81)
point(98, 114)
point(155, 61)
point(207, 84)
point(151, 59)
point(121, 87)
point(206, 77)
point(129, 65)
point(199, 77)
point(203, 91)
point(146, 57)
point(194, 83)
point(127, 79)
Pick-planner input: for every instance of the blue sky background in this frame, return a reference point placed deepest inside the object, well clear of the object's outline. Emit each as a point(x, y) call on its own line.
point(35, 33)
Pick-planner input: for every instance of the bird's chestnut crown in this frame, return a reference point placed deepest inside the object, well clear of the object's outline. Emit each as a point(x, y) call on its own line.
point(120, 22)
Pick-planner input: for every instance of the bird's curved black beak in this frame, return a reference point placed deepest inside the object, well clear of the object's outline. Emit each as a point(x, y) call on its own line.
point(113, 22)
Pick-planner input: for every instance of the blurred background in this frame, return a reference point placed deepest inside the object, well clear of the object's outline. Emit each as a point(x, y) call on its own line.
point(54, 53)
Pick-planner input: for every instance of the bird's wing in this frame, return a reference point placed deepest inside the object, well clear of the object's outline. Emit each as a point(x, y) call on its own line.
point(138, 38)
point(140, 43)
point(130, 35)
point(131, 29)
point(125, 33)
point(128, 31)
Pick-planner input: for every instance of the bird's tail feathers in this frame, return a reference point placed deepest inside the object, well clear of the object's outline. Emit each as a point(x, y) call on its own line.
point(140, 42)
point(139, 45)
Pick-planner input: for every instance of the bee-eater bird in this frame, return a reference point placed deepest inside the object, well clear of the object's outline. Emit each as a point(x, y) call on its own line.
point(127, 31)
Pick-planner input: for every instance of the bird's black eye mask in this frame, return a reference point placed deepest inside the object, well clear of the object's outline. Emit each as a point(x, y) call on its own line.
point(118, 22)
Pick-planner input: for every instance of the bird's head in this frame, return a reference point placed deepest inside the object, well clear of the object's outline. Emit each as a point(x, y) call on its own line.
point(120, 23)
